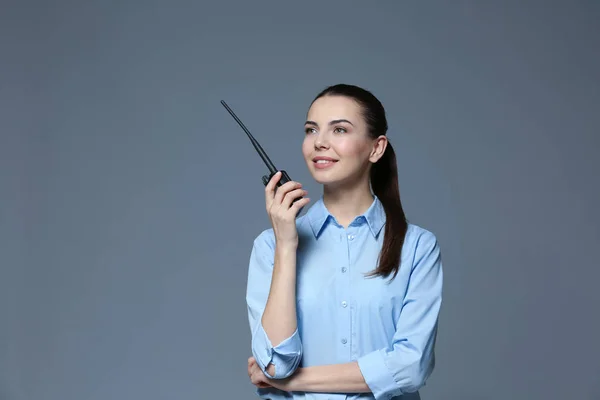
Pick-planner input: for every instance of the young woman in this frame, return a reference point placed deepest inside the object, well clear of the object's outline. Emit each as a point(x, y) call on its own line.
point(343, 301)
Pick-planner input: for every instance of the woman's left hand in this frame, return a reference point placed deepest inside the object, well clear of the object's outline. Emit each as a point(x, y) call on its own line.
point(256, 375)
point(259, 379)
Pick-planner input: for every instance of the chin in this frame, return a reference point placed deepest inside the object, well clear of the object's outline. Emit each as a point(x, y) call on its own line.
point(326, 178)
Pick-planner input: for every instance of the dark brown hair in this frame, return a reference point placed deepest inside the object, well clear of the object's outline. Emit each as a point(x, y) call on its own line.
point(384, 178)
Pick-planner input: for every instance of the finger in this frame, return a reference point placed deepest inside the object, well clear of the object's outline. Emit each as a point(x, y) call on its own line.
point(270, 188)
point(258, 380)
point(299, 204)
point(255, 379)
point(295, 208)
point(291, 196)
point(284, 189)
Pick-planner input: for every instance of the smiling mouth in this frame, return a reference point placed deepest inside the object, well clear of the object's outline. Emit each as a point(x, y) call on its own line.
point(322, 164)
point(325, 161)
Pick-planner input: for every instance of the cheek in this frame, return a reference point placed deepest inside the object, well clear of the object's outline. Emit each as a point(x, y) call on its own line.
point(349, 148)
point(307, 146)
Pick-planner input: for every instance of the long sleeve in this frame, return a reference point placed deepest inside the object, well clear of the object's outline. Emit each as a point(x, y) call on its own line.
point(287, 354)
point(406, 364)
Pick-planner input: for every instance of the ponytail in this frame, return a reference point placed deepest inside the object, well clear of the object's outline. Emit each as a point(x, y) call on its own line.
point(384, 182)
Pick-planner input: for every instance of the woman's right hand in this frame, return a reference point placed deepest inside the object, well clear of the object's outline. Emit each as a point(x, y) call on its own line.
point(282, 212)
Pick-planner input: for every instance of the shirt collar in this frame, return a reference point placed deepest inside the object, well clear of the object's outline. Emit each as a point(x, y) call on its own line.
point(318, 216)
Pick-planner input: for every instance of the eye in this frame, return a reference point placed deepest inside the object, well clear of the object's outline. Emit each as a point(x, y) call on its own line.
point(339, 129)
point(309, 130)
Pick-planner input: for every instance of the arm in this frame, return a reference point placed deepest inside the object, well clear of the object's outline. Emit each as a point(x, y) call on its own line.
point(407, 363)
point(271, 300)
point(334, 378)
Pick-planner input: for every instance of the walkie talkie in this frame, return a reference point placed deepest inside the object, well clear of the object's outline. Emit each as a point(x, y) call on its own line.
point(272, 170)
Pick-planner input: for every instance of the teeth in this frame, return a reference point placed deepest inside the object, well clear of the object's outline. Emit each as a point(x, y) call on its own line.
point(324, 161)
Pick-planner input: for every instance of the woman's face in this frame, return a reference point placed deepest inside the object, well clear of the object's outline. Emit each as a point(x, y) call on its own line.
point(337, 148)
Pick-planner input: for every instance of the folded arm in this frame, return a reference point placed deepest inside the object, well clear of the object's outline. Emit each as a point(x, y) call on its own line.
point(406, 364)
point(271, 300)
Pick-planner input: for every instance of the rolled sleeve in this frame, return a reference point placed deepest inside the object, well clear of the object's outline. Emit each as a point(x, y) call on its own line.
point(405, 365)
point(286, 355)
point(378, 376)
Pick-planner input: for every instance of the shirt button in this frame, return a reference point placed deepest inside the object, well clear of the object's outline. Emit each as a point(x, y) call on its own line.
point(344, 304)
point(350, 237)
point(344, 341)
point(344, 269)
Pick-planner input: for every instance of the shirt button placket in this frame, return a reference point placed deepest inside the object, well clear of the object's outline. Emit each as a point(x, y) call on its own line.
point(345, 311)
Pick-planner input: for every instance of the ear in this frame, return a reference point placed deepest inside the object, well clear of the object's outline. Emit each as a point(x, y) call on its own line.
point(379, 146)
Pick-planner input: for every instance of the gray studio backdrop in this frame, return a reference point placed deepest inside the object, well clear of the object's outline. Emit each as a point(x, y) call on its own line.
point(130, 198)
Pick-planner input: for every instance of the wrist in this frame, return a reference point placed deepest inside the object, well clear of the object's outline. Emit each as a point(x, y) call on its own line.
point(285, 248)
point(298, 382)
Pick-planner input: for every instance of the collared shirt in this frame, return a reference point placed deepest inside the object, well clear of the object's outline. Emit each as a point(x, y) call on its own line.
point(388, 327)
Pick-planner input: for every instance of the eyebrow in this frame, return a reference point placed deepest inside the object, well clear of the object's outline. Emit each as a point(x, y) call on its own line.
point(335, 121)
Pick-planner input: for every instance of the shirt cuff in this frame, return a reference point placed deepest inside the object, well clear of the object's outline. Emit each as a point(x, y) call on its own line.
point(377, 376)
point(285, 356)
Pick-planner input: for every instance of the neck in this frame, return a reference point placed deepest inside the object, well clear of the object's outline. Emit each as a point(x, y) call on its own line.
point(346, 203)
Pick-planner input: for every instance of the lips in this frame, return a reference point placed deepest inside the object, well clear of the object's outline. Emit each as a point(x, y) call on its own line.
point(322, 159)
point(323, 162)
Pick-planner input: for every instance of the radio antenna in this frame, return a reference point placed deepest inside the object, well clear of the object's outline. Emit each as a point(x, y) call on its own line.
point(257, 145)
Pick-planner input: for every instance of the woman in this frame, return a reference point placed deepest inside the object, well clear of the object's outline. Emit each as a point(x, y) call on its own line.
point(343, 301)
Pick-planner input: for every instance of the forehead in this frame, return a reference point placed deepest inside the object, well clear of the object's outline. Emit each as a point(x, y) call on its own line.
point(328, 108)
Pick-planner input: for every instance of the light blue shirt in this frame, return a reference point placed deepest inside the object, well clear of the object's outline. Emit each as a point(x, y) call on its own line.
point(343, 316)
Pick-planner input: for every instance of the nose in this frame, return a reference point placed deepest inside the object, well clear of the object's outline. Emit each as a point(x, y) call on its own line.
point(320, 141)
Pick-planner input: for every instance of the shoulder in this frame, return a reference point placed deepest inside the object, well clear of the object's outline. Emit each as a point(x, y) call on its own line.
point(262, 255)
point(419, 235)
point(266, 237)
point(420, 242)
point(265, 240)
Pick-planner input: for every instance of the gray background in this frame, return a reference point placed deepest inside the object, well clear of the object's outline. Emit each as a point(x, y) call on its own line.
point(130, 198)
